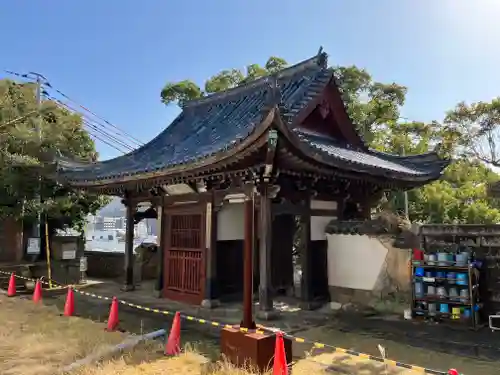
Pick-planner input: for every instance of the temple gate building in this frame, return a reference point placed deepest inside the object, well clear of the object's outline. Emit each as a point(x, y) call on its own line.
point(236, 169)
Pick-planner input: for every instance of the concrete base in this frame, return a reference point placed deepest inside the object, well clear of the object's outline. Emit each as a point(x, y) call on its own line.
point(310, 305)
point(306, 305)
point(253, 349)
point(127, 288)
point(268, 314)
point(157, 293)
point(210, 303)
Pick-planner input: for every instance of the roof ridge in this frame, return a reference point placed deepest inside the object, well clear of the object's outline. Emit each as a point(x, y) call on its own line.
point(319, 60)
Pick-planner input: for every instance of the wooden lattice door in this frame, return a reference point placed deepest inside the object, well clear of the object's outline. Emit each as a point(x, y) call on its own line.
point(184, 257)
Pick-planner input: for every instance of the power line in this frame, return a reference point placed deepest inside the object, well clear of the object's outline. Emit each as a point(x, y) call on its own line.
point(111, 139)
point(108, 139)
point(94, 126)
point(132, 138)
point(48, 85)
point(19, 75)
point(93, 135)
point(17, 119)
point(107, 143)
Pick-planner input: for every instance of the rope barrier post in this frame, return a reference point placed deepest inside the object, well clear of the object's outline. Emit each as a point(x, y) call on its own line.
point(47, 252)
point(259, 331)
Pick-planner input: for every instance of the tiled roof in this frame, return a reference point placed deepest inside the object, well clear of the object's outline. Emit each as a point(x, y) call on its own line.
point(212, 124)
point(426, 166)
point(219, 122)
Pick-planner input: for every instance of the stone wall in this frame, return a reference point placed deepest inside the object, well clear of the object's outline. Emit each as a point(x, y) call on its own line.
point(105, 265)
point(111, 265)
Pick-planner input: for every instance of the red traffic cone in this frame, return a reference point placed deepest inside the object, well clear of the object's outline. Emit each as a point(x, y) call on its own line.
point(11, 292)
point(280, 366)
point(452, 371)
point(69, 306)
point(37, 294)
point(113, 315)
point(173, 346)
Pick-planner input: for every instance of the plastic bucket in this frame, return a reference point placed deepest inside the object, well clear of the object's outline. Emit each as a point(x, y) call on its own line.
point(419, 289)
point(462, 279)
point(444, 308)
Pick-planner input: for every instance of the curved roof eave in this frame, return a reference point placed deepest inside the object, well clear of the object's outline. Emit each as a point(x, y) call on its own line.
point(219, 157)
point(386, 169)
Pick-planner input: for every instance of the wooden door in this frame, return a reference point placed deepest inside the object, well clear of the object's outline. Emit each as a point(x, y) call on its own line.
point(184, 275)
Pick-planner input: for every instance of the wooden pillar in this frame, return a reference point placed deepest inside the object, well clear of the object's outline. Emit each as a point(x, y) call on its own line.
point(248, 321)
point(129, 247)
point(267, 193)
point(161, 248)
point(306, 287)
point(211, 285)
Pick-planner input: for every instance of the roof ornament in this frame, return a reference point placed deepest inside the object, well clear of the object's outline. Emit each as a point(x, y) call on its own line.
point(274, 93)
point(322, 58)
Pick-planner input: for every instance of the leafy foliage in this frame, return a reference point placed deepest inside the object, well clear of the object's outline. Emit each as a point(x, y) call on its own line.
point(183, 91)
point(479, 127)
point(23, 158)
point(369, 103)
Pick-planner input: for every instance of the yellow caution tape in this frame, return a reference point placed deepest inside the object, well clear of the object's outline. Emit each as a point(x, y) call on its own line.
point(260, 330)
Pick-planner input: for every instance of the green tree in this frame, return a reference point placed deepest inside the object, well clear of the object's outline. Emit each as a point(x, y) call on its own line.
point(460, 196)
point(25, 156)
point(370, 104)
point(479, 127)
point(180, 92)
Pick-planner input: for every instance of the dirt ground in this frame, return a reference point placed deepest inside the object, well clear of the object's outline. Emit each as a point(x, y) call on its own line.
point(35, 339)
point(205, 339)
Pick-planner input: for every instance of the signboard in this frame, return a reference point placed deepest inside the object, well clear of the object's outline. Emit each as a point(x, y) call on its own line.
point(83, 264)
point(33, 246)
point(68, 251)
point(68, 254)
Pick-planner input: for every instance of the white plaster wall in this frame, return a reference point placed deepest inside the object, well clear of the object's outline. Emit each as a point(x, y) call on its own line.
point(230, 222)
point(158, 225)
point(354, 261)
point(319, 223)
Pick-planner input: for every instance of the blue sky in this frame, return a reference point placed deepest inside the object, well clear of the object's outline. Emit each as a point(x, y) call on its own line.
point(114, 56)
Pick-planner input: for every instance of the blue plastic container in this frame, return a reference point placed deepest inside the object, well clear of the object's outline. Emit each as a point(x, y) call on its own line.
point(419, 271)
point(462, 279)
point(419, 289)
point(444, 308)
point(451, 276)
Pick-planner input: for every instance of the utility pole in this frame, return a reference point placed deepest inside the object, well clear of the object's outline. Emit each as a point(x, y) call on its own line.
point(38, 128)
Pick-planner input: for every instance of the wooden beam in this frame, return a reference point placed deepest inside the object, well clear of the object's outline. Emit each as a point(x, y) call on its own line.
point(267, 193)
point(248, 321)
point(129, 247)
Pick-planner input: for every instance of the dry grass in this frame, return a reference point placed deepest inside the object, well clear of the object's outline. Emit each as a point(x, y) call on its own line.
point(35, 340)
